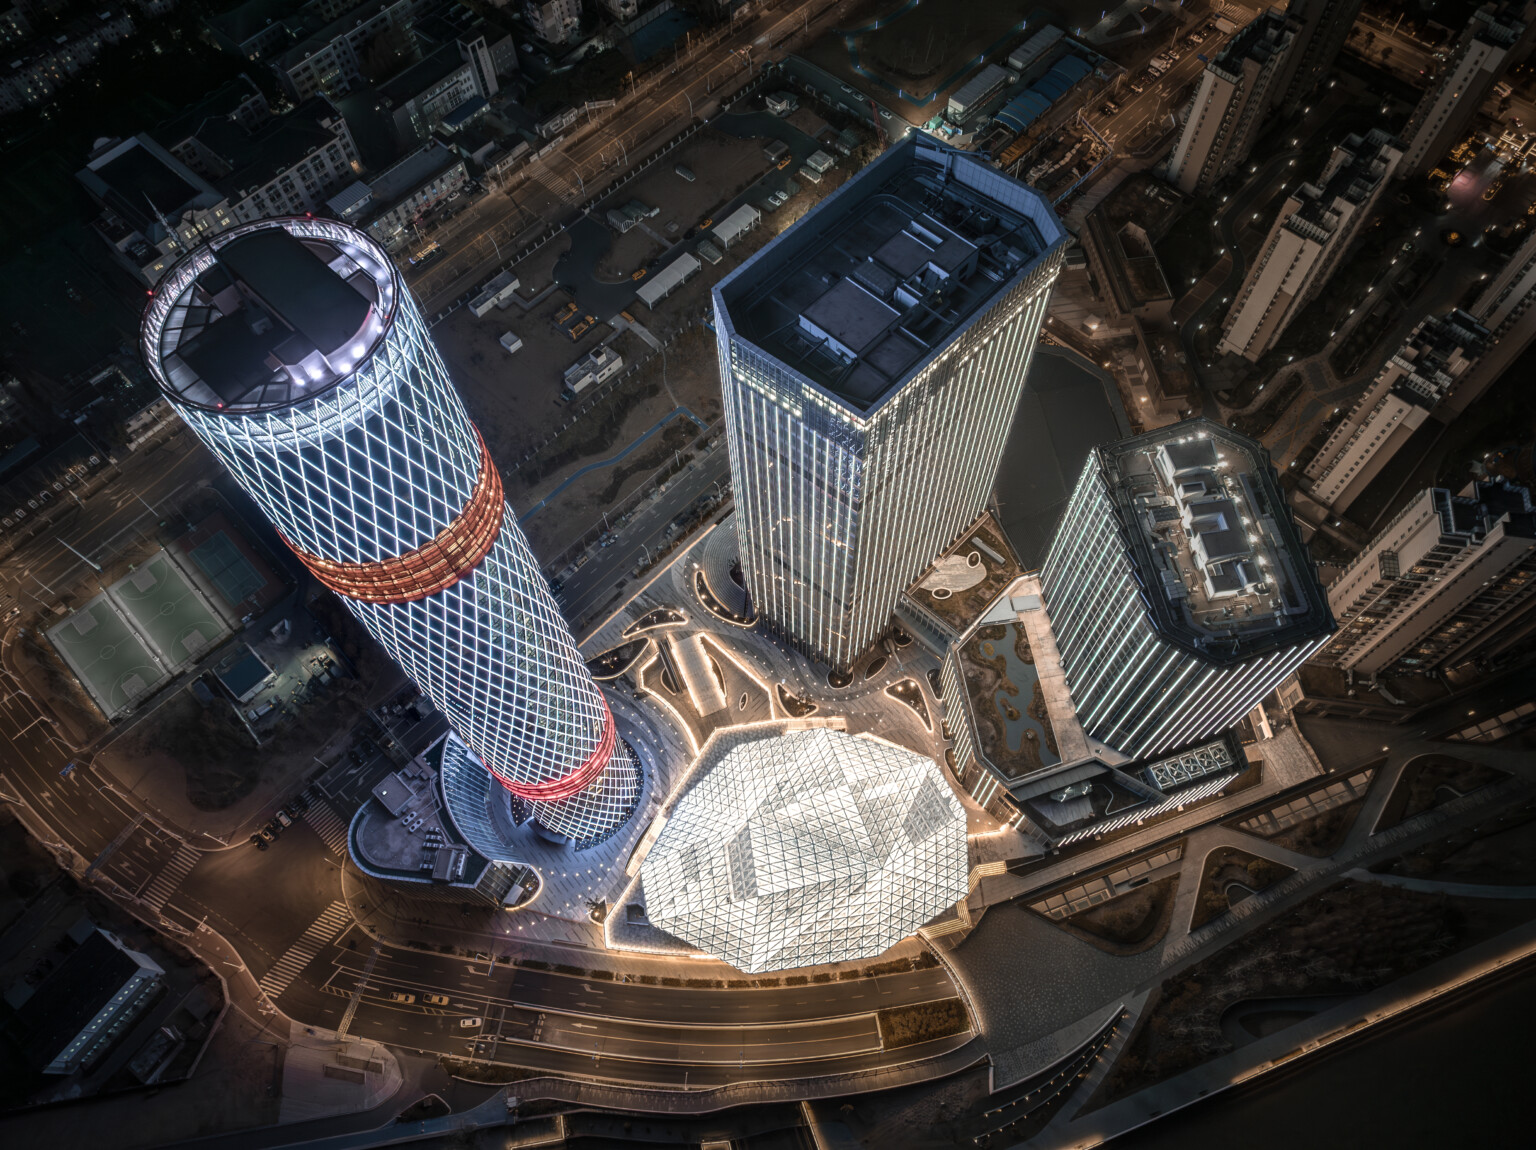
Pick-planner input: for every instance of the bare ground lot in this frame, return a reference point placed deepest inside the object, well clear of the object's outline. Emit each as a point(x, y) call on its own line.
point(514, 399)
point(637, 405)
point(722, 166)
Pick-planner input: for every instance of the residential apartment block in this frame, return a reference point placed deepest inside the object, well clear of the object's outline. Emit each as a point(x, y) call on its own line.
point(449, 77)
point(1409, 386)
point(556, 21)
point(1478, 59)
point(1438, 583)
point(1504, 309)
point(1318, 29)
point(1229, 105)
point(1315, 227)
point(399, 196)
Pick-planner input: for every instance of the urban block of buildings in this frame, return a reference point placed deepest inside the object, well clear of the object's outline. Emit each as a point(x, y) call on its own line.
point(1310, 235)
point(1230, 105)
point(871, 359)
point(1439, 584)
point(44, 65)
point(224, 162)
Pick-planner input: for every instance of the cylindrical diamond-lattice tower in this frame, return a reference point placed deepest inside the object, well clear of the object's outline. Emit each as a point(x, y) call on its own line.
point(293, 351)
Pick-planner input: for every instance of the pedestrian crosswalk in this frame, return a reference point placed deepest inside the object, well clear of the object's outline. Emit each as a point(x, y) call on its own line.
point(553, 181)
point(170, 878)
point(328, 825)
point(302, 953)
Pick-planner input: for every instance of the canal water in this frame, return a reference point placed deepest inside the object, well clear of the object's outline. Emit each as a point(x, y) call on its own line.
point(1454, 1076)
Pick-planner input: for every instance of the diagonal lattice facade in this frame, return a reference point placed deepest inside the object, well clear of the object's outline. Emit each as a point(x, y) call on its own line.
point(808, 847)
point(306, 367)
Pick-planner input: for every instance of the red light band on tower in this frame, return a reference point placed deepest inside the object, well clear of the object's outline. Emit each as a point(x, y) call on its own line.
point(452, 554)
point(579, 779)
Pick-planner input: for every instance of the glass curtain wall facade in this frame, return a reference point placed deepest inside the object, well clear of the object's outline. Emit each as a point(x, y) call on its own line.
point(1165, 640)
point(300, 360)
point(807, 847)
point(866, 421)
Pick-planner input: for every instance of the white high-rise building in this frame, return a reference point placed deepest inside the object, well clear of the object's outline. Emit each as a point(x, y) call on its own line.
point(1436, 582)
point(1230, 105)
point(1315, 227)
point(871, 359)
point(1409, 386)
point(295, 353)
point(1179, 591)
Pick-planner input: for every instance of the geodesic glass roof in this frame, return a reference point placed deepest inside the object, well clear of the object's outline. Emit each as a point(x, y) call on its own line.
point(808, 847)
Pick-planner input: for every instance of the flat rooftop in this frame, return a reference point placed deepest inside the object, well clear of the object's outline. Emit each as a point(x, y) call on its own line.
point(1223, 571)
point(889, 269)
point(269, 315)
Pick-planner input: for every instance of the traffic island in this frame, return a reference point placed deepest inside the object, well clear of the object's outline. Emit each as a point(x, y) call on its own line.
point(1231, 875)
point(1130, 924)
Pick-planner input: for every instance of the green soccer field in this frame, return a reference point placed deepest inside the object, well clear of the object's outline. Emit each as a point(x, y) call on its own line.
point(106, 656)
point(178, 622)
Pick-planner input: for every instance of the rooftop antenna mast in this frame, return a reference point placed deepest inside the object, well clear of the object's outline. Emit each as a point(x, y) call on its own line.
point(170, 232)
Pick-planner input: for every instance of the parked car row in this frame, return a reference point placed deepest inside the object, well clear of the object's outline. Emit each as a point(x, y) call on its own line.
point(281, 821)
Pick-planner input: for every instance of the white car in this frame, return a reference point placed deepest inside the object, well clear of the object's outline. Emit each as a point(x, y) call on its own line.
point(470, 1023)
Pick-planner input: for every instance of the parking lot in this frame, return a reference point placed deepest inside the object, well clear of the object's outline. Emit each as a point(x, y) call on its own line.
point(722, 165)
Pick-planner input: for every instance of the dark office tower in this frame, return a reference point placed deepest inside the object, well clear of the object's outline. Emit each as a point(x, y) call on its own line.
point(871, 359)
point(1179, 590)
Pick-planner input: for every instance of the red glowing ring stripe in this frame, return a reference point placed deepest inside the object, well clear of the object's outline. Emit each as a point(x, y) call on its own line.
point(436, 565)
point(578, 780)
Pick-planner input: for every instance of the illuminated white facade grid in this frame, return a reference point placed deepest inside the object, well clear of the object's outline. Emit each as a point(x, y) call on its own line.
point(1179, 590)
point(291, 349)
point(807, 847)
point(871, 359)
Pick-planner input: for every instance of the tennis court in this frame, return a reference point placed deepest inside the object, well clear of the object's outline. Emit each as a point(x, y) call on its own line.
point(105, 655)
point(228, 570)
point(179, 623)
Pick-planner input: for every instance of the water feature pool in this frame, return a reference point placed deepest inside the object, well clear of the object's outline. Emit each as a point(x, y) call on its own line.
point(1022, 675)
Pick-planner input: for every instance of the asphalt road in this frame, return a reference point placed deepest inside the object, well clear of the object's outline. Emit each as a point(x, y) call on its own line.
point(627, 1030)
point(591, 586)
point(128, 507)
